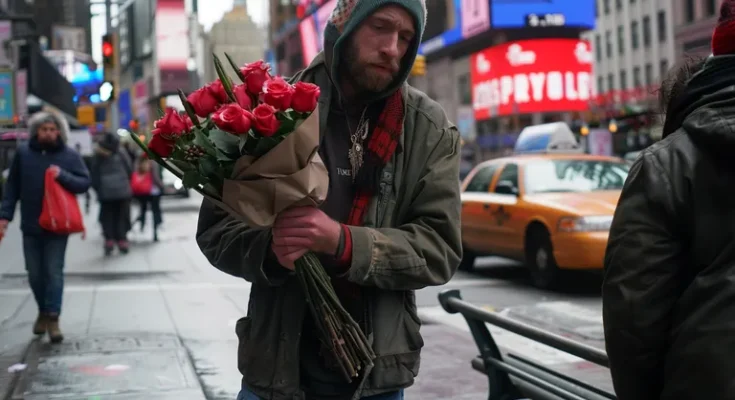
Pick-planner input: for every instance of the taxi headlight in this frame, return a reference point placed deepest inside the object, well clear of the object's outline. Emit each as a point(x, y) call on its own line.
point(597, 223)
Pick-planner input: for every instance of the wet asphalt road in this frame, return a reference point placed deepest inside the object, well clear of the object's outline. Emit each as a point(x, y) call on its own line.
point(161, 321)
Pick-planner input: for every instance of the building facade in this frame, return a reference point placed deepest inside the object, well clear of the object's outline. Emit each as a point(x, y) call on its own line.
point(237, 35)
point(633, 44)
point(694, 21)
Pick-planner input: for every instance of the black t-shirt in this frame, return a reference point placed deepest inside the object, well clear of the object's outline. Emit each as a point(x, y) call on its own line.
point(318, 379)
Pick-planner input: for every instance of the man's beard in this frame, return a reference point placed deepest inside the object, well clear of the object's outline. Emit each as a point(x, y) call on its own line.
point(361, 76)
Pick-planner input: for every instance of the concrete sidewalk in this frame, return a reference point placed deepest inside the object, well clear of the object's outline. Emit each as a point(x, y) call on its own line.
point(159, 324)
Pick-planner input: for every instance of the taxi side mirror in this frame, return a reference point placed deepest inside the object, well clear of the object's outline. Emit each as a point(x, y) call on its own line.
point(506, 187)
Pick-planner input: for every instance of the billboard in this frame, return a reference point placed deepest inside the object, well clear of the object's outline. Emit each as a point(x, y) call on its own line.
point(528, 76)
point(172, 45)
point(543, 13)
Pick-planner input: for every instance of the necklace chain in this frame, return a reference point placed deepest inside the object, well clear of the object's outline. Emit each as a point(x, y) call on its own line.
point(357, 138)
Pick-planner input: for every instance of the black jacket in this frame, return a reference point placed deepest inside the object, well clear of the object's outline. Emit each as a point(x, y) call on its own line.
point(669, 289)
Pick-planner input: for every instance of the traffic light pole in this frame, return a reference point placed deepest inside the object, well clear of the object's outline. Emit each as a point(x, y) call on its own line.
point(113, 116)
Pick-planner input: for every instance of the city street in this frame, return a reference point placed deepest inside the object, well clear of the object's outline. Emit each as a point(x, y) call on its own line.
point(160, 322)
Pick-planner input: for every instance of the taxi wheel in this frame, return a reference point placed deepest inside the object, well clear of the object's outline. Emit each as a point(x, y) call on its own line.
point(468, 260)
point(540, 259)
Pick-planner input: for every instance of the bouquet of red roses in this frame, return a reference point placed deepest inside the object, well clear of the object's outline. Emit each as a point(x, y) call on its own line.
point(252, 149)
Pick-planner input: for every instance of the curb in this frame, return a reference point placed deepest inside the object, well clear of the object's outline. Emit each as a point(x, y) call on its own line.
point(13, 380)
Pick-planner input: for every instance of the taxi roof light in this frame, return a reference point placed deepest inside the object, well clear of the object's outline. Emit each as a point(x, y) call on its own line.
point(554, 137)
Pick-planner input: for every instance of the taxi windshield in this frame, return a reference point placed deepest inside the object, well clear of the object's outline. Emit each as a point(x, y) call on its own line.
point(554, 176)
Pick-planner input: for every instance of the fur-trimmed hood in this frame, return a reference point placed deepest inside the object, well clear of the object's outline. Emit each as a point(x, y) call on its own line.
point(41, 117)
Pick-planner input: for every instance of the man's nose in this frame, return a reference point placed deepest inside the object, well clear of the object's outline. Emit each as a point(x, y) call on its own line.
point(390, 45)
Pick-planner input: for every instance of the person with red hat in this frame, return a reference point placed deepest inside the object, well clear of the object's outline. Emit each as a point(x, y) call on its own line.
point(669, 287)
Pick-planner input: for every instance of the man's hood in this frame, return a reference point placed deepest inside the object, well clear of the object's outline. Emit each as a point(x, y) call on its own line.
point(41, 117)
point(706, 109)
point(347, 17)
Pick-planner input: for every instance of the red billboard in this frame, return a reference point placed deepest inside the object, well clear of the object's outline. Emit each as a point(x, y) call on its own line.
point(528, 76)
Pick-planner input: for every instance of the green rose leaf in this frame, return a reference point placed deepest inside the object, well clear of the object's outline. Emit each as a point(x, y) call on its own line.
point(266, 144)
point(200, 139)
point(226, 143)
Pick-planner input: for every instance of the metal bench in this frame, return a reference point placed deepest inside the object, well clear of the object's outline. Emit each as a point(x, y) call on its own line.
point(511, 377)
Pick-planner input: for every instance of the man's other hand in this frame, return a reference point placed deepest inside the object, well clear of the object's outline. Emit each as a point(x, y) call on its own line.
point(303, 229)
point(56, 170)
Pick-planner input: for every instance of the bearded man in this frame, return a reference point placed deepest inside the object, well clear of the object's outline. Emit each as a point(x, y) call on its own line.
point(390, 224)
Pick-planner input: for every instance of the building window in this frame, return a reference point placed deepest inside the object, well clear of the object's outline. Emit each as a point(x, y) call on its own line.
point(664, 68)
point(619, 5)
point(649, 74)
point(598, 47)
point(600, 84)
point(610, 82)
point(661, 17)
point(606, 6)
point(634, 38)
point(646, 31)
point(623, 80)
point(688, 10)
point(710, 7)
point(608, 44)
point(621, 39)
point(636, 77)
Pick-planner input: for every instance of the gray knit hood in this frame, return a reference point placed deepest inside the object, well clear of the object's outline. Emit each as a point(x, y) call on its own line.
point(42, 117)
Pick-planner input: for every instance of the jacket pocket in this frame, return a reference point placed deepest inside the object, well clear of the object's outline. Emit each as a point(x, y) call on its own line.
point(242, 329)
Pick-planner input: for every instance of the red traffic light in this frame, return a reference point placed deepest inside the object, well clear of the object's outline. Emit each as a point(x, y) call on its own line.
point(107, 49)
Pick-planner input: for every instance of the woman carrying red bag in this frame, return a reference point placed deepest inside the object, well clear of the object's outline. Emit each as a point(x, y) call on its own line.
point(44, 250)
point(147, 188)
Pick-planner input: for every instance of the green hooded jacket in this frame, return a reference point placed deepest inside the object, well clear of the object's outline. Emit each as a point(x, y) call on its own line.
point(410, 239)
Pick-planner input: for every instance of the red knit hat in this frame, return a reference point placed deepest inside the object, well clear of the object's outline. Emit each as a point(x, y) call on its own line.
point(723, 39)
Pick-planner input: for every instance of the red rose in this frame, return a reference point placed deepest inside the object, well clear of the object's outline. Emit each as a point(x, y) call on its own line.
point(218, 89)
point(255, 74)
point(242, 96)
point(204, 101)
point(278, 93)
point(305, 97)
point(187, 121)
point(171, 125)
point(161, 146)
point(265, 121)
point(233, 119)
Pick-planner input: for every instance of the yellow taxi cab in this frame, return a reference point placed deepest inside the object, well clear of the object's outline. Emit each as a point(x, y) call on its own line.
point(549, 206)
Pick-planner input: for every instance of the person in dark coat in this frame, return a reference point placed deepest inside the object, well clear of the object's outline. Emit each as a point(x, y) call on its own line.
point(112, 169)
point(149, 173)
point(668, 293)
point(44, 252)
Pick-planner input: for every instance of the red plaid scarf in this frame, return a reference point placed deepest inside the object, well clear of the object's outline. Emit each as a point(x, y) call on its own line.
point(381, 146)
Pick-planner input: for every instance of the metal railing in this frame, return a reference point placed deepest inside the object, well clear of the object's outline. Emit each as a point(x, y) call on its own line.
point(511, 377)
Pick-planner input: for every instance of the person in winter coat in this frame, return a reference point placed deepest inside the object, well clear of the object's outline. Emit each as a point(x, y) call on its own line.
point(668, 292)
point(112, 169)
point(389, 226)
point(147, 188)
point(44, 252)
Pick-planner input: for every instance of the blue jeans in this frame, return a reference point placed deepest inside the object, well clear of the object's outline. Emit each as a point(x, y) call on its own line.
point(44, 255)
point(245, 394)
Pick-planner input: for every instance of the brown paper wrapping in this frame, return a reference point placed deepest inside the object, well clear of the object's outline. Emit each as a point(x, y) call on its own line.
point(292, 174)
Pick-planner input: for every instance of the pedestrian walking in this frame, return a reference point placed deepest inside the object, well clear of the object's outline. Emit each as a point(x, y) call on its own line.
point(668, 293)
point(111, 172)
point(147, 188)
point(389, 226)
point(44, 252)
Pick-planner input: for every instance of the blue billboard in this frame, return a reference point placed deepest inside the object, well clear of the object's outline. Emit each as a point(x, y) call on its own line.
point(125, 111)
point(542, 13)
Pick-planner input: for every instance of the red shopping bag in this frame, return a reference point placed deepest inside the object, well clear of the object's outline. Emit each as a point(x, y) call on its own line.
point(142, 184)
point(60, 213)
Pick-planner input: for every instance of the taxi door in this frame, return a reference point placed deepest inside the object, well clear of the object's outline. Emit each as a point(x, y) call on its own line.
point(505, 221)
point(475, 206)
